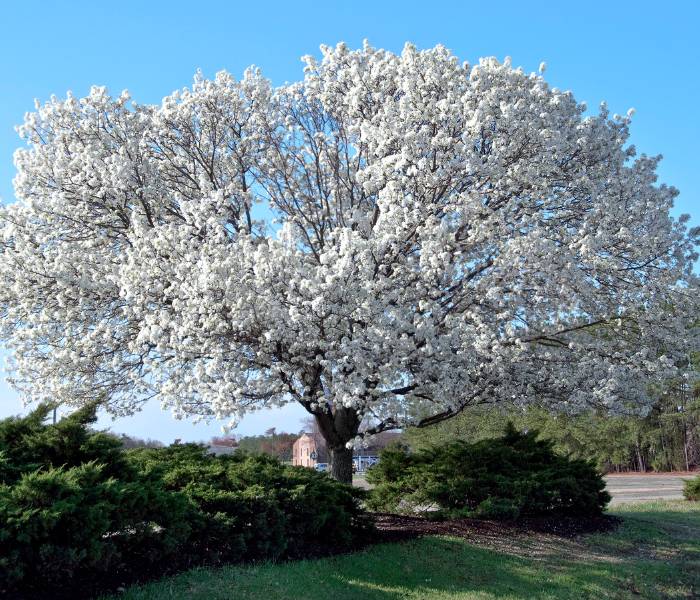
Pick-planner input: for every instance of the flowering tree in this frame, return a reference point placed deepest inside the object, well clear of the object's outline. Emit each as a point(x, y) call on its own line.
point(387, 241)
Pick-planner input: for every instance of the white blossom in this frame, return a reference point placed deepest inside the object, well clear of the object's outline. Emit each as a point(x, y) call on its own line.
point(387, 241)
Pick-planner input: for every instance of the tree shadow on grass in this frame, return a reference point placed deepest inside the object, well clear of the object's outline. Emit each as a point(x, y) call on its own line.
point(655, 535)
point(451, 568)
point(652, 555)
point(432, 568)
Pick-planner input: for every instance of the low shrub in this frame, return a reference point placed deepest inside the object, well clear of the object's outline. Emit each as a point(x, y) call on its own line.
point(691, 489)
point(79, 514)
point(74, 511)
point(254, 506)
point(28, 444)
point(513, 476)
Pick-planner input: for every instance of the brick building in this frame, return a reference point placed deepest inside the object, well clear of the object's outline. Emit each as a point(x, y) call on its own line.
point(310, 449)
point(305, 451)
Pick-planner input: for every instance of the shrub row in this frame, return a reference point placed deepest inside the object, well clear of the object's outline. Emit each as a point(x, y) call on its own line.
point(255, 506)
point(78, 514)
point(513, 476)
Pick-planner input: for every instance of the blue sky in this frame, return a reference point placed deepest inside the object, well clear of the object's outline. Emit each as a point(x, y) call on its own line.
point(631, 54)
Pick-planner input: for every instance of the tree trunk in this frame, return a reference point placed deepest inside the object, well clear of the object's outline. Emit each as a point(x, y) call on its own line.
point(338, 428)
point(341, 464)
point(640, 460)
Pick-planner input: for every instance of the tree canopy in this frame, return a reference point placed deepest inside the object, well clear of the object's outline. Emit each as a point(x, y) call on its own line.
point(386, 241)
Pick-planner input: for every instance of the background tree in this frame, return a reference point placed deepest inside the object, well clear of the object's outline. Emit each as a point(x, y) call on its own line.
point(666, 439)
point(386, 242)
point(130, 441)
point(277, 444)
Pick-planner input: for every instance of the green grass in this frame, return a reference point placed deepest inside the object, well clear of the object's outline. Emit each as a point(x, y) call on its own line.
point(654, 554)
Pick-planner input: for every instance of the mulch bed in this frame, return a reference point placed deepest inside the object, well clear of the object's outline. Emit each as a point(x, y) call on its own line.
point(392, 527)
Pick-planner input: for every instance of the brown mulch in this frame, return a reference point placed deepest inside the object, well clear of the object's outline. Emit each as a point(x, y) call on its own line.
point(536, 538)
point(392, 527)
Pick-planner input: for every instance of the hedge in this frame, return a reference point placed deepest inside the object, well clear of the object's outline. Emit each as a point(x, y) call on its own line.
point(80, 515)
point(513, 476)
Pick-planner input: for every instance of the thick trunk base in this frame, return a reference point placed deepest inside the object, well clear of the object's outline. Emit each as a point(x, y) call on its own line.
point(341, 464)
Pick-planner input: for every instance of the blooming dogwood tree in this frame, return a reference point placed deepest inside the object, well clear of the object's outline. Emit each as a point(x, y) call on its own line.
point(387, 241)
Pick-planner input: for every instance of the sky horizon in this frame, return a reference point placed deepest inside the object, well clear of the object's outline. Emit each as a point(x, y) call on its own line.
point(630, 54)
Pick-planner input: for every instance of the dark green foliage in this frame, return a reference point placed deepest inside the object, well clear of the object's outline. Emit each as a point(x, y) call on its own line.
point(27, 444)
point(691, 489)
point(79, 513)
point(73, 510)
point(256, 505)
point(505, 478)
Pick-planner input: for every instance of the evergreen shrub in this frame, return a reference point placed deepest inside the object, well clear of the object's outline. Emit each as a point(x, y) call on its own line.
point(691, 489)
point(79, 514)
point(513, 476)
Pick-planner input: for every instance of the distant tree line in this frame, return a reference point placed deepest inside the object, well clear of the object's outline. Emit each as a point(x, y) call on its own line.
point(130, 441)
point(279, 443)
point(272, 443)
point(666, 439)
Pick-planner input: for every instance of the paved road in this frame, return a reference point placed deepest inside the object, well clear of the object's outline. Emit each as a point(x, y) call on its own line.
point(640, 487)
point(634, 487)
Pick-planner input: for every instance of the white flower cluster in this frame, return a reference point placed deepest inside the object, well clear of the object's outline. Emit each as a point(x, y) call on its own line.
point(387, 241)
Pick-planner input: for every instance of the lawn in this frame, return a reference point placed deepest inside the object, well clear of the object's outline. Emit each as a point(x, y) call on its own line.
point(655, 553)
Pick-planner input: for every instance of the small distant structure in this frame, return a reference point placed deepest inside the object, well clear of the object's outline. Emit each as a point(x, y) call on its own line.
point(220, 450)
point(362, 462)
point(222, 446)
point(305, 451)
point(310, 451)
